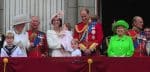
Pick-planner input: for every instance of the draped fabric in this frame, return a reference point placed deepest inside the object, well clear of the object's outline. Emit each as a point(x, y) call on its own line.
point(77, 64)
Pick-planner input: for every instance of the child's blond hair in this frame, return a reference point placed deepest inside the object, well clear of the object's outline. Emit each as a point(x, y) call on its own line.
point(9, 34)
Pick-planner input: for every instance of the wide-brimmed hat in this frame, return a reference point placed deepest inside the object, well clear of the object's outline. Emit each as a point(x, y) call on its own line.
point(22, 18)
point(120, 23)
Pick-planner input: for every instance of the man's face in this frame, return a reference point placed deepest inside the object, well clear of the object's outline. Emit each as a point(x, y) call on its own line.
point(147, 33)
point(35, 23)
point(85, 16)
point(139, 23)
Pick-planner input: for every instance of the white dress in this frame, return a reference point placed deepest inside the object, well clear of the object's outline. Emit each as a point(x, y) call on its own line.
point(22, 40)
point(54, 43)
point(16, 52)
point(66, 41)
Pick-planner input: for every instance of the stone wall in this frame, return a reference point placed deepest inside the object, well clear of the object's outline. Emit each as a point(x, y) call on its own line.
point(1, 15)
point(73, 7)
point(90, 4)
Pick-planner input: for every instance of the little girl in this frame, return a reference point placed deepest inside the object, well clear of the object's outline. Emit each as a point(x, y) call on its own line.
point(66, 37)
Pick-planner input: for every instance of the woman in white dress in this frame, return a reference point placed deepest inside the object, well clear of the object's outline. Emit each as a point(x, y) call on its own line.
point(21, 38)
point(20, 35)
point(54, 37)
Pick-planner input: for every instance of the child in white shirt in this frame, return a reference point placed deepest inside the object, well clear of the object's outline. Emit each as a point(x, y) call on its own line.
point(76, 51)
point(11, 50)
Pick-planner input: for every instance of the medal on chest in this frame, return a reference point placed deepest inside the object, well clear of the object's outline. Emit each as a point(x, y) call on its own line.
point(93, 32)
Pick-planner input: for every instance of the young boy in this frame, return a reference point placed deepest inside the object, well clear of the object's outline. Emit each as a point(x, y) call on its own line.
point(11, 50)
point(76, 51)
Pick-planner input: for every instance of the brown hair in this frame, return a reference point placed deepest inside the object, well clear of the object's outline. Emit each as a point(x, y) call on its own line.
point(95, 18)
point(85, 9)
point(58, 19)
point(68, 26)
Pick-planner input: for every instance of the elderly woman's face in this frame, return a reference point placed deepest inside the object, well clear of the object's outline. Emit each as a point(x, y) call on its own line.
point(19, 27)
point(120, 30)
point(56, 22)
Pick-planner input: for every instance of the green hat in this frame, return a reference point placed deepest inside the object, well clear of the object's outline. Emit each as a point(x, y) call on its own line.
point(120, 23)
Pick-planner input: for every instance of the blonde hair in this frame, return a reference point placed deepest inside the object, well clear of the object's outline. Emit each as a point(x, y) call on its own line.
point(9, 34)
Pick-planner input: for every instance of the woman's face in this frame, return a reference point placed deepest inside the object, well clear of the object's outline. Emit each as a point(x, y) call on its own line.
point(19, 27)
point(56, 22)
point(120, 30)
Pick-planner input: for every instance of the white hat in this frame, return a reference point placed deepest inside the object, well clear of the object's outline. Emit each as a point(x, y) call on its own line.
point(21, 19)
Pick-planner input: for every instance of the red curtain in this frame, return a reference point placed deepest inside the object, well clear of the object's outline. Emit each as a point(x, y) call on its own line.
point(77, 64)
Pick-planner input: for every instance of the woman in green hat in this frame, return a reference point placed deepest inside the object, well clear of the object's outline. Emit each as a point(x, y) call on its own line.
point(120, 44)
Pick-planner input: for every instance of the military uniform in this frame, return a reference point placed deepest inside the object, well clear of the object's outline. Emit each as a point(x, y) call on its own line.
point(139, 42)
point(38, 49)
point(88, 35)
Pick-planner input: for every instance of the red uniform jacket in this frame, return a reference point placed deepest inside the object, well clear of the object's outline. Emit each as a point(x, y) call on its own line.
point(38, 49)
point(139, 45)
point(93, 37)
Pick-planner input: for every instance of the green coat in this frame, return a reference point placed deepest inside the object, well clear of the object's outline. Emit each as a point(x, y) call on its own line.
point(120, 47)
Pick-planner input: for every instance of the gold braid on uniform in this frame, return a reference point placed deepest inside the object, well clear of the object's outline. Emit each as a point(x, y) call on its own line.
point(83, 29)
point(32, 37)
